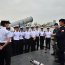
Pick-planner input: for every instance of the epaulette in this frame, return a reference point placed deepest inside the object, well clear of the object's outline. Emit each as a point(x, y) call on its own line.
point(64, 26)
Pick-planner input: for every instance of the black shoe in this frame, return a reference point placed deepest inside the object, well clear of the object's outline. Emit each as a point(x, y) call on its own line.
point(57, 61)
point(45, 51)
point(41, 48)
point(61, 64)
point(53, 54)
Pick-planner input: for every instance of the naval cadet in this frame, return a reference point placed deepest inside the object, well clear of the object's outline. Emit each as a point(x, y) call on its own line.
point(27, 39)
point(61, 41)
point(21, 42)
point(42, 37)
point(48, 38)
point(33, 39)
point(5, 47)
point(16, 36)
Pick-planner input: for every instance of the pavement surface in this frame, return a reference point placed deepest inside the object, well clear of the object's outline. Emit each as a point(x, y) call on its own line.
point(40, 55)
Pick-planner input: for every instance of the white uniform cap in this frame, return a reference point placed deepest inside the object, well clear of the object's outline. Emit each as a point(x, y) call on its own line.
point(21, 27)
point(37, 26)
point(41, 27)
point(27, 26)
point(32, 26)
point(16, 26)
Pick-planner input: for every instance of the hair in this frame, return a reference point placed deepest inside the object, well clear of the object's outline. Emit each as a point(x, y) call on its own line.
point(48, 28)
point(55, 24)
point(62, 20)
point(3, 22)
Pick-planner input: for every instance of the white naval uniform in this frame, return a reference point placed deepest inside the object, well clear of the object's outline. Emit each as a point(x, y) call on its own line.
point(42, 37)
point(37, 33)
point(48, 38)
point(33, 40)
point(27, 34)
point(5, 53)
point(33, 34)
point(4, 34)
point(11, 35)
point(16, 37)
point(42, 33)
point(48, 34)
point(27, 37)
point(22, 35)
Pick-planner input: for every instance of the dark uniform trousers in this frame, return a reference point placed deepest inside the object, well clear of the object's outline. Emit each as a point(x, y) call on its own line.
point(48, 40)
point(41, 42)
point(16, 47)
point(33, 43)
point(5, 55)
point(27, 45)
point(21, 46)
point(60, 53)
point(61, 44)
point(37, 43)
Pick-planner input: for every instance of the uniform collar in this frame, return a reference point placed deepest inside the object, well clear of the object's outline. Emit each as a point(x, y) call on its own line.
point(3, 27)
point(62, 25)
point(48, 31)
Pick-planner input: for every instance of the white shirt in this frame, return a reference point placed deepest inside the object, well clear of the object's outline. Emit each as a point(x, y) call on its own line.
point(10, 34)
point(16, 35)
point(48, 34)
point(42, 33)
point(4, 34)
point(33, 34)
point(37, 33)
point(21, 35)
point(27, 35)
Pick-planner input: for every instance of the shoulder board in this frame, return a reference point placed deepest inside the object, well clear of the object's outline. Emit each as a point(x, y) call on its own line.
point(64, 26)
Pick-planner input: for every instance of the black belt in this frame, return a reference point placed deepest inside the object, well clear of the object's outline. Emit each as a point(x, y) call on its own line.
point(2, 43)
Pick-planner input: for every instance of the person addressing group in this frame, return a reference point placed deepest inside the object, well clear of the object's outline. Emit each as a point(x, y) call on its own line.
point(5, 47)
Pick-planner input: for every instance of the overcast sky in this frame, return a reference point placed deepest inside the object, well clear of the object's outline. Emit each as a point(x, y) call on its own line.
point(41, 10)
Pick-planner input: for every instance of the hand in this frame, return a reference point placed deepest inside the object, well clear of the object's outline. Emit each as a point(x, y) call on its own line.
point(53, 34)
point(6, 42)
point(34, 38)
point(1, 47)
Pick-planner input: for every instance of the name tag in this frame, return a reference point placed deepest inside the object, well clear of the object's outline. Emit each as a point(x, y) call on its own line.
point(62, 30)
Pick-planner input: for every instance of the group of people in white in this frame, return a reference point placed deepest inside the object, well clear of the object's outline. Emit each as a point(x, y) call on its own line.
point(30, 39)
point(23, 40)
